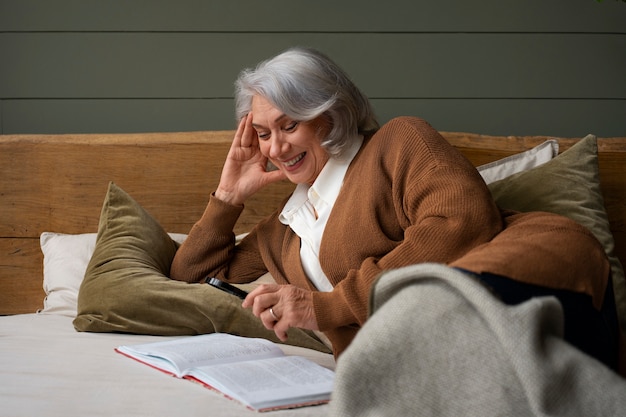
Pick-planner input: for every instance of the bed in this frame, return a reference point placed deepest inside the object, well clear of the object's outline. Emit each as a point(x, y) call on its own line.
point(52, 190)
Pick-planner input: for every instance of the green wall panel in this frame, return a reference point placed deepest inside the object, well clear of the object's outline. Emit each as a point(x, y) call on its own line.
point(314, 16)
point(495, 66)
point(183, 65)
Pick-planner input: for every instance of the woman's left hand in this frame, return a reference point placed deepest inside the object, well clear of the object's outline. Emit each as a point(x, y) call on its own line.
point(282, 306)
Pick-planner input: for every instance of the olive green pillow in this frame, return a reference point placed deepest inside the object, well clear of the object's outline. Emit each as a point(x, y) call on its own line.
point(126, 287)
point(568, 185)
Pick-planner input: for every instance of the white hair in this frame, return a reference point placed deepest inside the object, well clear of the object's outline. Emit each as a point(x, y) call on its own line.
point(305, 84)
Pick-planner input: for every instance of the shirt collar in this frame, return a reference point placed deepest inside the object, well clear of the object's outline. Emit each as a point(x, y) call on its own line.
point(327, 184)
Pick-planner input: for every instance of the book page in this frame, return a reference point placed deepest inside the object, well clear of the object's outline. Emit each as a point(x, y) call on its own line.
point(179, 355)
point(270, 383)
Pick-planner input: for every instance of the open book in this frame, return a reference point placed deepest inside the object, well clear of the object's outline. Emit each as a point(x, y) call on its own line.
point(254, 372)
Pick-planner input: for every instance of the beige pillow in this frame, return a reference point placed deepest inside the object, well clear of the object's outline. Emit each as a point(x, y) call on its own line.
point(568, 185)
point(126, 288)
point(65, 260)
point(519, 162)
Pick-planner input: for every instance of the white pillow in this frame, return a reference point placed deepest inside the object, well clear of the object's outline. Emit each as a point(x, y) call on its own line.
point(519, 162)
point(65, 259)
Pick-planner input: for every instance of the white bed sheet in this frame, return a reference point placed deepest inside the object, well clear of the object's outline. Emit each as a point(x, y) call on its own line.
point(49, 369)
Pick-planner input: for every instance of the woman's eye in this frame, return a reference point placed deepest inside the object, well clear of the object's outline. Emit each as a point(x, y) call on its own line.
point(291, 126)
point(263, 136)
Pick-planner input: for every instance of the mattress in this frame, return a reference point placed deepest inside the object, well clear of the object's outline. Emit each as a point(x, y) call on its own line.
point(49, 369)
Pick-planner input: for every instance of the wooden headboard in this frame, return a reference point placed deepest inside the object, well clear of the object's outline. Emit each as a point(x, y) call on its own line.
point(57, 183)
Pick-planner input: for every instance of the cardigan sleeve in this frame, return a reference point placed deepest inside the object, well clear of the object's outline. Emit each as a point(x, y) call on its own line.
point(209, 247)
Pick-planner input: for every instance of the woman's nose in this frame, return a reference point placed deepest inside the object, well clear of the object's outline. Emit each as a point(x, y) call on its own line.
point(277, 146)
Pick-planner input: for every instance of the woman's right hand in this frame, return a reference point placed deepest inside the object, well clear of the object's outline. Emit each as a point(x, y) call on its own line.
point(244, 171)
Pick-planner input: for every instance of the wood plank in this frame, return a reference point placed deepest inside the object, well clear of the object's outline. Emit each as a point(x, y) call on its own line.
point(69, 201)
point(177, 65)
point(509, 145)
point(21, 276)
point(321, 15)
point(563, 118)
point(167, 174)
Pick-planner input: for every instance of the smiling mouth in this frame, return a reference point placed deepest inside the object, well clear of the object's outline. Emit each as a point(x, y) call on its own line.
point(295, 160)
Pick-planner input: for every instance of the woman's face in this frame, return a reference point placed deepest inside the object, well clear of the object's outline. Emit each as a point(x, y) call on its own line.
point(293, 146)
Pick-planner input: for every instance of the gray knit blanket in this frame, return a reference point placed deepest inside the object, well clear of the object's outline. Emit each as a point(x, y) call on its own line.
point(438, 343)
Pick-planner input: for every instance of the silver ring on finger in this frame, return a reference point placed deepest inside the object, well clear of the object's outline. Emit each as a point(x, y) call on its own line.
point(273, 314)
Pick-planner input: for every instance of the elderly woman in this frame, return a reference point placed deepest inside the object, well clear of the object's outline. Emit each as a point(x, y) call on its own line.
point(366, 200)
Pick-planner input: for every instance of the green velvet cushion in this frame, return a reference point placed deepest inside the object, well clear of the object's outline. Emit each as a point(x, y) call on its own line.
point(568, 185)
point(126, 288)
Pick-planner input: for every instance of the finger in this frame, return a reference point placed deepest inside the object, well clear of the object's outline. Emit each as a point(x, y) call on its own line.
point(261, 289)
point(273, 314)
point(280, 326)
point(268, 319)
point(275, 322)
point(239, 132)
point(280, 333)
point(267, 178)
point(273, 176)
point(248, 135)
point(253, 133)
point(264, 302)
